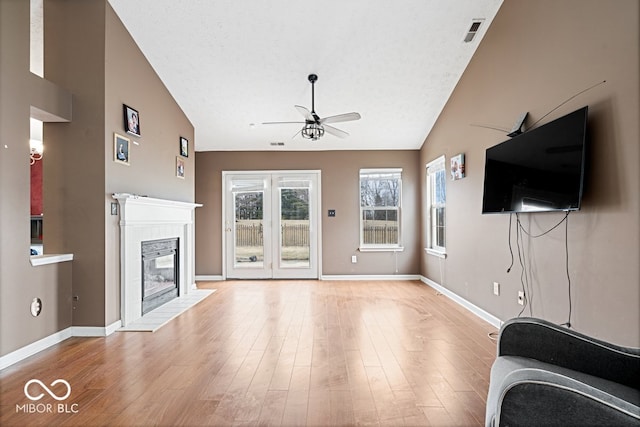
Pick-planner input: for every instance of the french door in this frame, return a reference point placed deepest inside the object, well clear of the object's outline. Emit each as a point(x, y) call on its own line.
point(271, 227)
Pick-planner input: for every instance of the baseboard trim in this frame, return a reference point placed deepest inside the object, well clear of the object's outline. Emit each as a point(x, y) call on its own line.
point(370, 277)
point(209, 278)
point(335, 277)
point(35, 347)
point(56, 338)
point(487, 317)
point(95, 331)
point(113, 327)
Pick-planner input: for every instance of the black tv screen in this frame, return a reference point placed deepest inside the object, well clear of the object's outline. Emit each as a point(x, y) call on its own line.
point(539, 170)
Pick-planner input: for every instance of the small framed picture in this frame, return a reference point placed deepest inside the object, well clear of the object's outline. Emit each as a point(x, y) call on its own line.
point(180, 167)
point(457, 167)
point(131, 120)
point(184, 147)
point(120, 149)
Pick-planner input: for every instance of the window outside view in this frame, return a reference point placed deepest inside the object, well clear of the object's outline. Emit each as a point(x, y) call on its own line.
point(380, 195)
point(437, 198)
point(294, 227)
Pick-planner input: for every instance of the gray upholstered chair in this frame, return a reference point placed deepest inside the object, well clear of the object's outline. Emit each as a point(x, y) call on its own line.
point(549, 375)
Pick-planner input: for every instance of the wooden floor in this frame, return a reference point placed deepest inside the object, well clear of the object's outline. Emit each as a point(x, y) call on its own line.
point(287, 353)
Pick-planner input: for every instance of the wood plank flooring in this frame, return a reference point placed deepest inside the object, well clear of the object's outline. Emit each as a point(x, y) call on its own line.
point(280, 353)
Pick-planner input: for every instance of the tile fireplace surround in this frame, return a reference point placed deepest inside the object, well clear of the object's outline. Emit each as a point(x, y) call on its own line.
point(142, 219)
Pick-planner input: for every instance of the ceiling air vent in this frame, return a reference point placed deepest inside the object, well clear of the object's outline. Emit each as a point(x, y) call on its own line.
point(475, 26)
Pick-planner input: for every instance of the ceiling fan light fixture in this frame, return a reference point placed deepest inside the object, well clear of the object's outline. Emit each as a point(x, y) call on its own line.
point(313, 128)
point(312, 131)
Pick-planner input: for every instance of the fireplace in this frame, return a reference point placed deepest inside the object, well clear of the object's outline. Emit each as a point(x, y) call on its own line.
point(145, 219)
point(160, 264)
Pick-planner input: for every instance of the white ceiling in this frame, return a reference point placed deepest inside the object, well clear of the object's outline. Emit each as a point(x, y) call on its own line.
point(232, 63)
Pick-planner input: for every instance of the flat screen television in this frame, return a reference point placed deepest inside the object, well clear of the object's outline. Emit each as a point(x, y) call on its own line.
point(539, 170)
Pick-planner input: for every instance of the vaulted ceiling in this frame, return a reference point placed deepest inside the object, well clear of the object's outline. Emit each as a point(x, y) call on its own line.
point(232, 65)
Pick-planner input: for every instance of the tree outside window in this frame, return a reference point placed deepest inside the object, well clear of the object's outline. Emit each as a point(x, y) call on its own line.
point(380, 198)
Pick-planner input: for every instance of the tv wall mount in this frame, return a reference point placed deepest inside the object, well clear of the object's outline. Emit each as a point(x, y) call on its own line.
point(517, 126)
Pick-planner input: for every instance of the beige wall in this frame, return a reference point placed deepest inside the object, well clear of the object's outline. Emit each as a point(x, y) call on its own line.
point(535, 55)
point(91, 59)
point(88, 51)
point(340, 191)
point(74, 168)
point(130, 80)
point(19, 281)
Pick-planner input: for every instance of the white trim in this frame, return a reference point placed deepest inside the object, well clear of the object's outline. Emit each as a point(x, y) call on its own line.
point(223, 218)
point(150, 201)
point(270, 172)
point(56, 338)
point(436, 161)
point(38, 260)
point(113, 327)
point(35, 347)
point(371, 277)
point(381, 249)
point(88, 331)
point(432, 167)
point(397, 172)
point(214, 278)
point(142, 219)
point(487, 317)
point(382, 171)
point(95, 331)
point(435, 252)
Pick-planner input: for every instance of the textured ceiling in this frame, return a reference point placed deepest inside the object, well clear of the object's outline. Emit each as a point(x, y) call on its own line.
point(230, 64)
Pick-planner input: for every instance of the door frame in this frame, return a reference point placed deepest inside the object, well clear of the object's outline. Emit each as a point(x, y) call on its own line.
point(318, 209)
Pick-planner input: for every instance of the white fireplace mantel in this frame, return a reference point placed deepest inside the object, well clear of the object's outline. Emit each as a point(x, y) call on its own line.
point(146, 218)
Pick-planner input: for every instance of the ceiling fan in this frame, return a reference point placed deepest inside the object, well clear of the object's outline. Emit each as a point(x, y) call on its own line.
point(314, 127)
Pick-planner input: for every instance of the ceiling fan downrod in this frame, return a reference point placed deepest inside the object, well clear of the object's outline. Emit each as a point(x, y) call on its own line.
point(313, 78)
point(313, 130)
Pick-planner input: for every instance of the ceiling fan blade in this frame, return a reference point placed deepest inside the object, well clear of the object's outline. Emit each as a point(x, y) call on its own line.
point(297, 133)
point(305, 113)
point(282, 123)
point(335, 131)
point(341, 118)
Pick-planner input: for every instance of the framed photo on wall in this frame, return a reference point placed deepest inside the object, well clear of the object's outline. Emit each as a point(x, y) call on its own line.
point(457, 167)
point(131, 120)
point(120, 149)
point(180, 167)
point(184, 147)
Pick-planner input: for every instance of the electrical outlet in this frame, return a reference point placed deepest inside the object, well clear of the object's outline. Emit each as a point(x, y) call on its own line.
point(354, 259)
point(496, 288)
point(520, 297)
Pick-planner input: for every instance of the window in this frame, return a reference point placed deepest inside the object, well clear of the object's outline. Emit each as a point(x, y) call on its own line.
point(436, 206)
point(380, 199)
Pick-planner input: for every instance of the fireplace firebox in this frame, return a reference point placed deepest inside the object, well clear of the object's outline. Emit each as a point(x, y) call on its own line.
point(159, 273)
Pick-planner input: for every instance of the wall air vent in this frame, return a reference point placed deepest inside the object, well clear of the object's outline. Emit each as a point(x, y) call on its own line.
point(473, 30)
